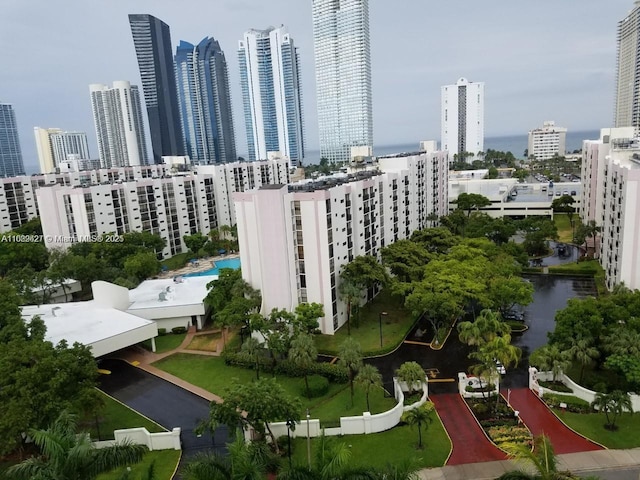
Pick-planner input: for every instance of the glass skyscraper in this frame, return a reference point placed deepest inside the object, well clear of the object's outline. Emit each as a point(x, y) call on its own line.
point(343, 76)
point(271, 94)
point(11, 163)
point(152, 41)
point(205, 102)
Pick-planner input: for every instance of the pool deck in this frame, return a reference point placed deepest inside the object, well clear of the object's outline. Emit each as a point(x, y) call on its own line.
point(203, 265)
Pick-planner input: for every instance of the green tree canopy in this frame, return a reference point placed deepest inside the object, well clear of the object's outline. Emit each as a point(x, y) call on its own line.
point(471, 201)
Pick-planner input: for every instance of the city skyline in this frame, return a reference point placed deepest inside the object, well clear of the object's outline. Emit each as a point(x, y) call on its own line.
point(559, 66)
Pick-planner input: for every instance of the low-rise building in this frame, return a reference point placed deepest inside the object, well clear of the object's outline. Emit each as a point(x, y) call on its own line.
point(547, 141)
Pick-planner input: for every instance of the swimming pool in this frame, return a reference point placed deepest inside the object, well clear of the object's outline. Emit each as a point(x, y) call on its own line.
point(233, 263)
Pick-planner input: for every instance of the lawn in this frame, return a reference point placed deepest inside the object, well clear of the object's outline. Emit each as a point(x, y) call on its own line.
point(395, 326)
point(165, 465)
point(165, 343)
point(588, 267)
point(207, 342)
point(213, 375)
point(340, 405)
point(114, 416)
point(177, 261)
point(565, 232)
point(591, 425)
point(391, 447)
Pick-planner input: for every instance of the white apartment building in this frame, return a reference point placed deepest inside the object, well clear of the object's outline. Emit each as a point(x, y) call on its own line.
point(55, 146)
point(295, 239)
point(462, 118)
point(343, 76)
point(627, 106)
point(148, 198)
point(611, 176)
point(117, 115)
point(547, 141)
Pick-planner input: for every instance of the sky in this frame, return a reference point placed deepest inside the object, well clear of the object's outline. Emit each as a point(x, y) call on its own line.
point(542, 60)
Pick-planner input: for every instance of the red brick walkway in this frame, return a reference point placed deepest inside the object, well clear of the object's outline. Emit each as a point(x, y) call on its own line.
point(470, 445)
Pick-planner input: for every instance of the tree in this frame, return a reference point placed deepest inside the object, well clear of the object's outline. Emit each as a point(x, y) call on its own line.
point(483, 329)
point(306, 317)
point(411, 373)
point(365, 272)
point(349, 292)
point(612, 405)
point(551, 358)
point(303, 353)
point(67, 455)
point(142, 265)
point(251, 350)
point(536, 231)
point(541, 457)
point(255, 405)
point(368, 377)
point(195, 242)
point(421, 417)
point(276, 328)
point(350, 357)
point(406, 260)
point(583, 352)
point(507, 292)
point(471, 201)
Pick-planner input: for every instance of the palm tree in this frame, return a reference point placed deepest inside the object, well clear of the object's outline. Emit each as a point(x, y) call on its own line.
point(251, 350)
point(420, 416)
point(350, 357)
point(349, 292)
point(551, 358)
point(542, 458)
point(614, 404)
point(303, 353)
point(411, 373)
point(243, 462)
point(623, 341)
point(583, 352)
point(368, 377)
point(499, 349)
point(67, 455)
point(483, 329)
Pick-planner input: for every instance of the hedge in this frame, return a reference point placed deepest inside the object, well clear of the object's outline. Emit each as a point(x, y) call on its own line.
point(574, 404)
point(334, 373)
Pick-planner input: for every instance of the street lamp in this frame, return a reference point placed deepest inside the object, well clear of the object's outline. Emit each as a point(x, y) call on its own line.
point(291, 425)
point(308, 440)
point(380, 315)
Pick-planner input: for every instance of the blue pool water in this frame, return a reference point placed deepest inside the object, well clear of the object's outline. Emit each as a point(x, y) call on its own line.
point(225, 263)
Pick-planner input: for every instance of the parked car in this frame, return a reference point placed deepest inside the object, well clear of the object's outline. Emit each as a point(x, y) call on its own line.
point(500, 367)
point(573, 192)
point(558, 194)
point(513, 315)
point(550, 193)
point(566, 192)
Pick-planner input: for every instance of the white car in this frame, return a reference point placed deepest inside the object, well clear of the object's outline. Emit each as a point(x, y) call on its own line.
point(500, 368)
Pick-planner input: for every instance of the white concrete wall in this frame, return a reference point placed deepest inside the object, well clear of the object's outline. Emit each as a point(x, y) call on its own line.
point(141, 436)
point(476, 382)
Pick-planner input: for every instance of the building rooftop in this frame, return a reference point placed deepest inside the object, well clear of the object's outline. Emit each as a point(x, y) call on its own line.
point(170, 292)
point(324, 183)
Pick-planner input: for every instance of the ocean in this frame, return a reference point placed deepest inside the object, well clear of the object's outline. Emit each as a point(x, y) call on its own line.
point(515, 144)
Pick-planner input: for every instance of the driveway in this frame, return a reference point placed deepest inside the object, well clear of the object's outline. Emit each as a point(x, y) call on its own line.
point(163, 402)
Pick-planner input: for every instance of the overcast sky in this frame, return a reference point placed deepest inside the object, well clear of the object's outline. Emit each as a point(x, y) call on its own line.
point(540, 60)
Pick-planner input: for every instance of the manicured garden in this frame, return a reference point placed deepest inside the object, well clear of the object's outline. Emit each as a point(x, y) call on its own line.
point(208, 342)
point(114, 416)
point(395, 325)
point(164, 462)
point(394, 447)
point(166, 343)
point(563, 224)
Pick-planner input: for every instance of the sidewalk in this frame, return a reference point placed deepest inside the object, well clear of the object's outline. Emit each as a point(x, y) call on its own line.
point(583, 462)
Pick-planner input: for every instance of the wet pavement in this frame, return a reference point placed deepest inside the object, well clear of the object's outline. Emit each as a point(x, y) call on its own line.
point(163, 402)
point(551, 294)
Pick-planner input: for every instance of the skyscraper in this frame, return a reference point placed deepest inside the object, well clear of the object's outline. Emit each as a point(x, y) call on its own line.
point(55, 145)
point(343, 76)
point(205, 102)
point(270, 80)
point(462, 118)
point(152, 41)
point(117, 115)
point(10, 154)
point(627, 107)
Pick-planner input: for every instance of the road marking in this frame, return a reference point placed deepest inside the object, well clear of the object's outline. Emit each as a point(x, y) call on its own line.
point(413, 342)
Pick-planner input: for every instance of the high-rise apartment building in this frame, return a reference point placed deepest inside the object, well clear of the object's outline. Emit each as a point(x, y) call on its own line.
point(627, 107)
point(270, 80)
point(205, 102)
point(462, 118)
point(55, 145)
point(343, 76)
point(547, 142)
point(11, 163)
point(117, 115)
point(152, 41)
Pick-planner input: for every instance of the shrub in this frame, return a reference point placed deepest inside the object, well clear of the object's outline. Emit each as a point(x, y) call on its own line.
point(574, 404)
point(556, 386)
point(178, 330)
point(162, 332)
point(318, 386)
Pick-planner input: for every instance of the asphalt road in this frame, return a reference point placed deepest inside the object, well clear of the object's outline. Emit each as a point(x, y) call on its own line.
point(163, 402)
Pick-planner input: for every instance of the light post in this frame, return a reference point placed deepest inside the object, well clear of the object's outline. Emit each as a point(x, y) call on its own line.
point(308, 441)
point(509, 396)
point(380, 315)
point(291, 425)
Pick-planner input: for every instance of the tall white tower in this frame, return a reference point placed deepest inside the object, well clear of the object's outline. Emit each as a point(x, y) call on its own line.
point(118, 119)
point(343, 76)
point(55, 145)
point(462, 118)
point(627, 107)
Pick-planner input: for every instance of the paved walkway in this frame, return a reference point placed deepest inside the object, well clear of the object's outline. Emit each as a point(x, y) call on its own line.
point(469, 441)
point(201, 265)
point(582, 463)
point(540, 420)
